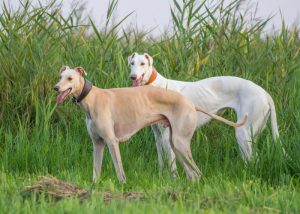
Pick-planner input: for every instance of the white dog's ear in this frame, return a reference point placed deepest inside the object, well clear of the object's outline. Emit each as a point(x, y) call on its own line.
point(149, 58)
point(80, 70)
point(63, 68)
point(131, 57)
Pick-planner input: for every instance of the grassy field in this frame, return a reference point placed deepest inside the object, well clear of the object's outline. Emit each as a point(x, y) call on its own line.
point(39, 138)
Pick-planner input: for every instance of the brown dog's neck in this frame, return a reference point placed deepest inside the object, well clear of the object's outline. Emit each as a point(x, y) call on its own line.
point(87, 86)
point(87, 101)
point(78, 91)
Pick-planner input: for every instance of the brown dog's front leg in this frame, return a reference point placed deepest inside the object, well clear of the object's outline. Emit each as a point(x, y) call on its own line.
point(114, 150)
point(99, 146)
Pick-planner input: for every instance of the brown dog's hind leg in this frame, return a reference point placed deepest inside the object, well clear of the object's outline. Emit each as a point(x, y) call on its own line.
point(183, 154)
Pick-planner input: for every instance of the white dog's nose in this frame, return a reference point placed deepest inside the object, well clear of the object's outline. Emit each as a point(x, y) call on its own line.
point(133, 77)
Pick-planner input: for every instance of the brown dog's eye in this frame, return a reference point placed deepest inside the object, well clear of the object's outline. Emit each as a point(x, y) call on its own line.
point(142, 63)
point(69, 78)
point(132, 63)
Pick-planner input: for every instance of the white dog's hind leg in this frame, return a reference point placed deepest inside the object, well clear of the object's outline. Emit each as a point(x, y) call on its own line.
point(257, 109)
point(244, 140)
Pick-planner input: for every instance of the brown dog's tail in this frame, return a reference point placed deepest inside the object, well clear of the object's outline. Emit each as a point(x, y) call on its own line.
point(214, 116)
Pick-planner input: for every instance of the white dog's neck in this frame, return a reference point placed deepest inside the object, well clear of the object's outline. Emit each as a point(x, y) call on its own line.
point(160, 81)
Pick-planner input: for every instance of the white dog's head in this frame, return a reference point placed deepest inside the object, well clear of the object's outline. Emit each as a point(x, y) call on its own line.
point(141, 68)
point(71, 82)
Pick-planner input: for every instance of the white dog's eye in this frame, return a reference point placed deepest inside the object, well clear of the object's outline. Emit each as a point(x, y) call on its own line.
point(132, 63)
point(142, 63)
point(69, 78)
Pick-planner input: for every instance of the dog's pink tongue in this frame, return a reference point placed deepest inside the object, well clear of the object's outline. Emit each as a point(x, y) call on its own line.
point(60, 98)
point(135, 83)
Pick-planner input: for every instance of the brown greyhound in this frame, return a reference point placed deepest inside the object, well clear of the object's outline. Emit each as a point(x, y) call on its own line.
point(114, 115)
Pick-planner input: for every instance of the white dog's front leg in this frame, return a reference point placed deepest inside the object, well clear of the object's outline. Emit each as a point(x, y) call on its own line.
point(158, 142)
point(98, 158)
point(171, 155)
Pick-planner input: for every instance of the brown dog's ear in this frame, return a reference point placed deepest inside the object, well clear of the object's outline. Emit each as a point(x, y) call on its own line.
point(149, 58)
point(131, 57)
point(80, 70)
point(63, 68)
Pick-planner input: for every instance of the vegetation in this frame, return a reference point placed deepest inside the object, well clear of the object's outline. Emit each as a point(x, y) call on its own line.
point(38, 138)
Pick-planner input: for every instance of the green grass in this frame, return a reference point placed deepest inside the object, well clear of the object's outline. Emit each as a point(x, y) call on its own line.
point(39, 138)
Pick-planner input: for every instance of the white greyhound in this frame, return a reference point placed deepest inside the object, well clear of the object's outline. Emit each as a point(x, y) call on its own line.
point(214, 93)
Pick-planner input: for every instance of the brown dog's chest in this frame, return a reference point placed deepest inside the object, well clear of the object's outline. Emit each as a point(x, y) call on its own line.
point(124, 131)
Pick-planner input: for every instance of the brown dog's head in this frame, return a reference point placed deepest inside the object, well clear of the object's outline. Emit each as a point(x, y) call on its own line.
point(71, 82)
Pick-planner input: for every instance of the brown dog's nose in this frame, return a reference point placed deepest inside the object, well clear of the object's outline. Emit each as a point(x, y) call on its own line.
point(56, 88)
point(133, 77)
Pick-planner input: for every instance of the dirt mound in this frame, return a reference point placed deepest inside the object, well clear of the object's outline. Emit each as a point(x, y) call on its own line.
point(57, 189)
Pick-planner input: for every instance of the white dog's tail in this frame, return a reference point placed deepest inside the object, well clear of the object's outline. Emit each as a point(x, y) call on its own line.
point(228, 122)
point(275, 131)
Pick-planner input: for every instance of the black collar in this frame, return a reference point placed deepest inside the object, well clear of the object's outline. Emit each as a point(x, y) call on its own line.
point(85, 91)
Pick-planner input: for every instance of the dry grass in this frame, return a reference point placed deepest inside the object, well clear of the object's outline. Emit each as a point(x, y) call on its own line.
point(55, 188)
point(108, 196)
